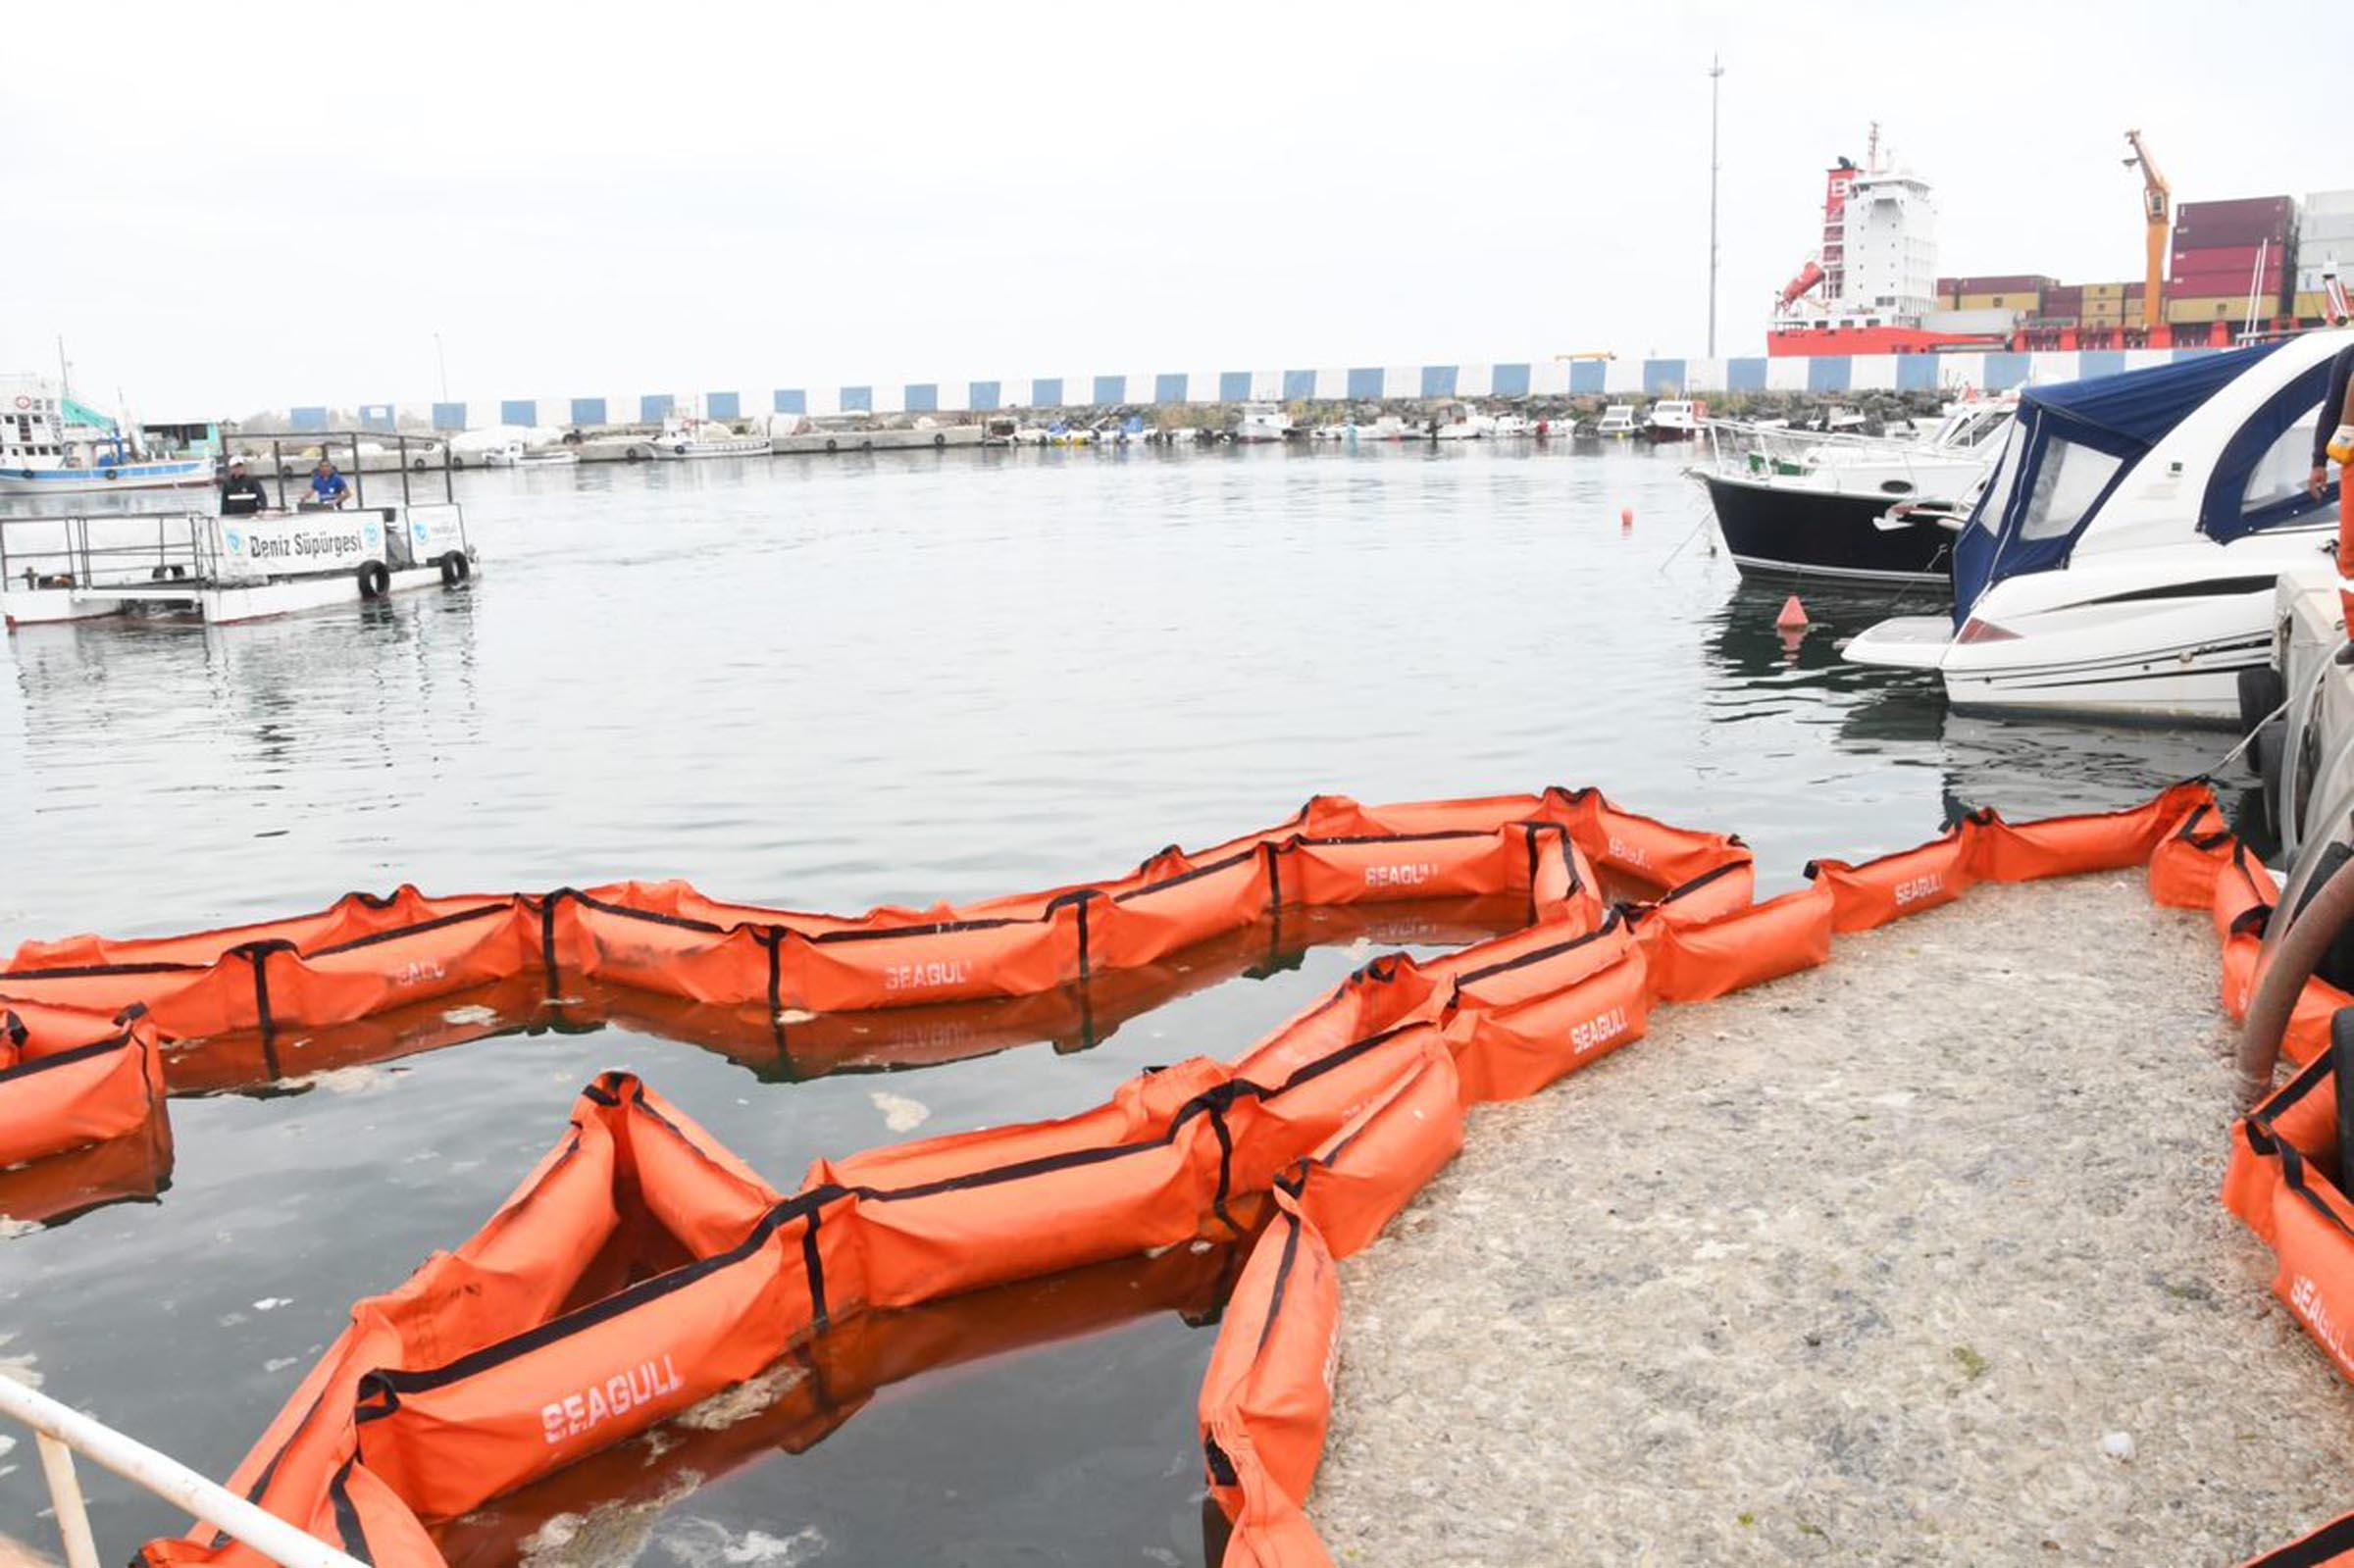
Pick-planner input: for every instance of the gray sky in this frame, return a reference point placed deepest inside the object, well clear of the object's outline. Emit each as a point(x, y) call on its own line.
point(281, 204)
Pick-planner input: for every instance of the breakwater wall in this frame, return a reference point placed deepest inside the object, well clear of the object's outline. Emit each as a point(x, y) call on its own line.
point(1549, 377)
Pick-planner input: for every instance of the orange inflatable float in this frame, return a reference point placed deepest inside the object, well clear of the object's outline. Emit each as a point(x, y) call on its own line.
point(642, 1268)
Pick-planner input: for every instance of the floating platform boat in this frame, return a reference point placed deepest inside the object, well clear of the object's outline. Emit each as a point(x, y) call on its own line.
point(237, 567)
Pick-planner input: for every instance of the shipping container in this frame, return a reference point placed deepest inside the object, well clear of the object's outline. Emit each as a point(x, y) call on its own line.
point(2329, 204)
point(2063, 301)
point(2006, 283)
point(2244, 208)
point(2327, 231)
point(2212, 258)
point(2209, 308)
point(1974, 321)
point(2312, 307)
point(2029, 301)
point(2103, 291)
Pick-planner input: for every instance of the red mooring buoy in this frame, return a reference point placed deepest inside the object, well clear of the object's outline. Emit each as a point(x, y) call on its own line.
point(1793, 616)
point(1626, 516)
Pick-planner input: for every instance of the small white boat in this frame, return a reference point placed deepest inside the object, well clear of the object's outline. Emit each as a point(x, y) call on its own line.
point(1617, 422)
point(685, 438)
point(1261, 423)
point(1460, 422)
point(1388, 427)
point(2123, 560)
point(1504, 427)
point(517, 455)
point(53, 446)
point(1675, 419)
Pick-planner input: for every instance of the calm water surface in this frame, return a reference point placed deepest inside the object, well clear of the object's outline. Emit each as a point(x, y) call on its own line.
point(833, 684)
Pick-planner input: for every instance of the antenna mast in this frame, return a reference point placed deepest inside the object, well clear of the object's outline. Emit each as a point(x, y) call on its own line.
point(1715, 73)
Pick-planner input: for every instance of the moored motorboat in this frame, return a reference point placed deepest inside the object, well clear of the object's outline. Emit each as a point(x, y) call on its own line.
point(1796, 504)
point(517, 455)
point(1261, 423)
point(1617, 422)
point(1675, 419)
point(685, 438)
point(2122, 561)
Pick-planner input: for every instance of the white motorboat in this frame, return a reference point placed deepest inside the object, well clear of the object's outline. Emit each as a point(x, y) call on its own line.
point(1504, 427)
point(517, 455)
point(1617, 422)
point(2122, 561)
point(1675, 419)
point(52, 445)
point(1260, 421)
point(1460, 422)
point(683, 438)
point(1794, 503)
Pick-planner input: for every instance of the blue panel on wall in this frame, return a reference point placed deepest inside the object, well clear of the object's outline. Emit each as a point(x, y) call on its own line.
point(307, 419)
point(2100, 362)
point(519, 411)
point(1743, 376)
point(653, 408)
point(724, 405)
point(1299, 385)
point(588, 411)
point(1512, 381)
point(375, 417)
point(982, 397)
point(1829, 373)
point(857, 400)
point(1438, 380)
point(1111, 388)
point(449, 415)
point(1168, 387)
point(1233, 386)
point(1914, 373)
point(1663, 376)
point(1047, 392)
point(921, 397)
point(789, 400)
point(1364, 382)
point(2005, 370)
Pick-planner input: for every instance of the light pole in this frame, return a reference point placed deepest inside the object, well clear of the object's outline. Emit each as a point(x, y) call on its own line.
point(1716, 75)
point(443, 361)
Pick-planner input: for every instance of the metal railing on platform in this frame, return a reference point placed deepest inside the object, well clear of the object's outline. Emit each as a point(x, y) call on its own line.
point(61, 1433)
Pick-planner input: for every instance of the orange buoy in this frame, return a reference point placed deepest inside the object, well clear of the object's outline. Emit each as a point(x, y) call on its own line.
point(1793, 616)
point(1626, 516)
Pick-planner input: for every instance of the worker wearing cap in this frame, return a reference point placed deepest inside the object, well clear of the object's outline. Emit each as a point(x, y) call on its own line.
point(2334, 443)
point(327, 487)
point(241, 494)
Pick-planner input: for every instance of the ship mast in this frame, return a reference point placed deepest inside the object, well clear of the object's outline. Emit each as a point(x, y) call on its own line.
point(1715, 73)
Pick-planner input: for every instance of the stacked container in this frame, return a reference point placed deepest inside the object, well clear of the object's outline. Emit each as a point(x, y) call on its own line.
point(2325, 245)
point(2013, 291)
point(2225, 250)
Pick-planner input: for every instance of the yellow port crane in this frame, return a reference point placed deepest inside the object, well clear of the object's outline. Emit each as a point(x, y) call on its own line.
point(2155, 199)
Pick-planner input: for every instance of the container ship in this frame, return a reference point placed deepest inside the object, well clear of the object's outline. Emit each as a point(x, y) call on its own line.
point(2221, 270)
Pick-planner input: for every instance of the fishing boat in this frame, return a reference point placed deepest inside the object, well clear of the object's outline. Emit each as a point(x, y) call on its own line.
point(51, 444)
point(2122, 561)
point(1793, 503)
point(514, 454)
point(1460, 422)
point(684, 439)
point(1617, 422)
point(1261, 423)
point(1674, 418)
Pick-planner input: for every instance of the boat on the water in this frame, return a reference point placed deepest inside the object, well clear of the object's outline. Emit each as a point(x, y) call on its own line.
point(517, 455)
point(1675, 419)
point(1795, 503)
point(1617, 422)
point(2122, 561)
point(1261, 423)
point(51, 444)
point(683, 438)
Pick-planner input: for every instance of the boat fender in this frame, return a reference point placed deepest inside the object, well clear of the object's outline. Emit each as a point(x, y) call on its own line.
point(24, 474)
point(867, 446)
point(110, 473)
point(940, 441)
point(830, 445)
point(454, 569)
point(2265, 756)
point(374, 580)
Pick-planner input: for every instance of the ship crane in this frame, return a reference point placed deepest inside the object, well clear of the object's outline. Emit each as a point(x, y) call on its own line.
point(2155, 199)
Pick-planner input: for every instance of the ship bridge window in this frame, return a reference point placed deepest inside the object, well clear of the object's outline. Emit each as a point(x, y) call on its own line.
point(2069, 479)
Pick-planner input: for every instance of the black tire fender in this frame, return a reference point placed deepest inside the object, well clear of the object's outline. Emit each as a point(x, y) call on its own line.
point(375, 580)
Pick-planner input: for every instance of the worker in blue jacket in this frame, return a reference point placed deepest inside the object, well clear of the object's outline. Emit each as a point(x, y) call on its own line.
point(328, 487)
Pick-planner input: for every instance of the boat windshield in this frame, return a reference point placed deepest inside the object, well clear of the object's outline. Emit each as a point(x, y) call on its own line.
point(2068, 482)
point(1996, 499)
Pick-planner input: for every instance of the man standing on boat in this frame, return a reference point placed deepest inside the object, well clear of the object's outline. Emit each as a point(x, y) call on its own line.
point(2329, 445)
point(327, 487)
point(241, 494)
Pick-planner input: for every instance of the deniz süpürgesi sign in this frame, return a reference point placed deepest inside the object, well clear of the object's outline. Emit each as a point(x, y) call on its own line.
point(298, 545)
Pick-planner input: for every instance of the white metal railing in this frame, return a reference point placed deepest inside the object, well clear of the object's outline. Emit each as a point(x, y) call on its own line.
point(62, 1431)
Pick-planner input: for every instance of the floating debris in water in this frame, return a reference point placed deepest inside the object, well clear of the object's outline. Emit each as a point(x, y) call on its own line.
point(10, 1228)
point(471, 1015)
point(699, 1543)
point(270, 1304)
point(20, 1366)
point(611, 1535)
point(360, 1080)
point(795, 1015)
point(745, 1400)
point(899, 1113)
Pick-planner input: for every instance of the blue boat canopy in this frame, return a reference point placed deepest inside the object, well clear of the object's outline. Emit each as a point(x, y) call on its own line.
point(2073, 444)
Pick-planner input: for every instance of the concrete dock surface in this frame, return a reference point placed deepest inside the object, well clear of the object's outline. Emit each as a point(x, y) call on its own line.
point(1916, 1258)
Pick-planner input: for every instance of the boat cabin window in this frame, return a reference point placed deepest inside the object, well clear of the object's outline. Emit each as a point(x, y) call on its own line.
point(2070, 478)
point(2280, 475)
point(2006, 478)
